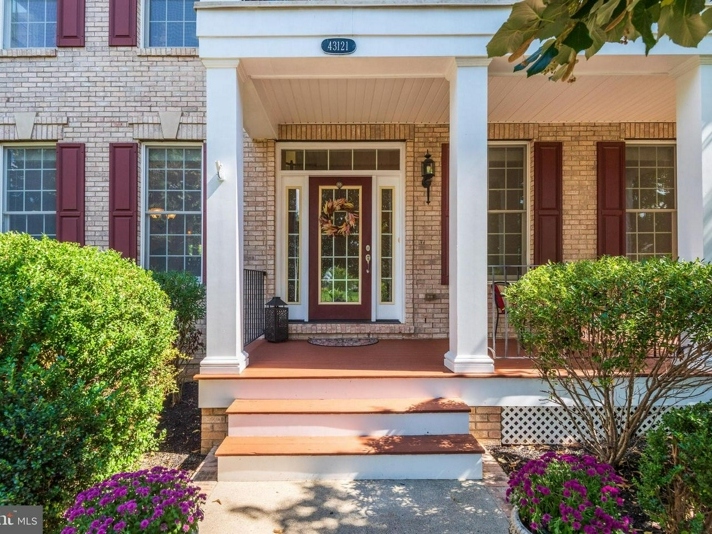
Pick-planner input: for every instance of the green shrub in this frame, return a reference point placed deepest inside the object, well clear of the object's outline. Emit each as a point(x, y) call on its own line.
point(85, 337)
point(617, 335)
point(187, 296)
point(675, 484)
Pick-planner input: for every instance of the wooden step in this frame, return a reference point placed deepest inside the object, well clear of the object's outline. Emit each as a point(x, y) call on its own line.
point(448, 457)
point(348, 445)
point(346, 406)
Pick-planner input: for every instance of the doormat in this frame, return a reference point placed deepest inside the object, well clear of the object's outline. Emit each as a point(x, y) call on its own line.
point(343, 341)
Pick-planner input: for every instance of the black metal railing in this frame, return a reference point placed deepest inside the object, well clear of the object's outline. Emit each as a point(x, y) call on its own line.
point(253, 298)
point(503, 341)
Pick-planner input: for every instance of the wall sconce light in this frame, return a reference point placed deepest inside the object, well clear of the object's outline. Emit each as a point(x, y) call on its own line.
point(427, 169)
point(220, 171)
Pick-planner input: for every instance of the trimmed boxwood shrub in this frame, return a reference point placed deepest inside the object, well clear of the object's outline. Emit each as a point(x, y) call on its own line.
point(187, 296)
point(85, 341)
point(675, 484)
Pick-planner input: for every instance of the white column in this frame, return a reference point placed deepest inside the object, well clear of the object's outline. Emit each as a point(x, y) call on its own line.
point(468, 217)
point(694, 160)
point(224, 213)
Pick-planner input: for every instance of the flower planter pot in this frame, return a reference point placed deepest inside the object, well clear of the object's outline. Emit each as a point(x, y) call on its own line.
point(515, 524)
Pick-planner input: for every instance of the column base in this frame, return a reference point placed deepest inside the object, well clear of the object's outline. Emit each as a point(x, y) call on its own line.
point(469, 363)
point(224, 365)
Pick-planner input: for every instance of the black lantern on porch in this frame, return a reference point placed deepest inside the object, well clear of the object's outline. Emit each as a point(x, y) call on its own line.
point(276, 320)
point(427, 170)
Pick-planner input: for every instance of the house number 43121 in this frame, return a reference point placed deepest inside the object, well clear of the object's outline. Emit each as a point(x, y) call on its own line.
point(338, 45)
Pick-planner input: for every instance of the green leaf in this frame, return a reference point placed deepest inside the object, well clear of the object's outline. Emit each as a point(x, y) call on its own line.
point(523, 22)
point(707, 17)
point(609, 11)
point(507, 39)
point(585, 9)
point(688, 7)
point(554, 19)
point(643, 22)
point(578, 39)
point(684, 31)
point(598, 36)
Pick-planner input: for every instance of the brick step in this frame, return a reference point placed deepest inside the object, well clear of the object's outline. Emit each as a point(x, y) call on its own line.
point(347, 406)
point(454, 456)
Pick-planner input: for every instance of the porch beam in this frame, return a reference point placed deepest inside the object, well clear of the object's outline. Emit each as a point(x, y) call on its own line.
point(694, 160)
point(468, 217)
point(224, 215)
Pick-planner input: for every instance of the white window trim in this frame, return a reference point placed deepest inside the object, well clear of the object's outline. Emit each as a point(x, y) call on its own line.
point(675, 211)
point(300, 178)
point(143, 193)
point(5, 32)
point(3, 147)
point(529, 198)
point(145, 25)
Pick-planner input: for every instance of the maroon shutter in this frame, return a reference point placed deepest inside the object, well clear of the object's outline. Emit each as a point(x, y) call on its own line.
point(547, 202)
point(122, 22)
point(123, 194)
point(70, 23)
point(611, 198)
point(70, 192)
point(445, 217)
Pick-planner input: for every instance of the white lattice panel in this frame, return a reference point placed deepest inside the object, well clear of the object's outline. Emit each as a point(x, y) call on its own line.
point(531, 425)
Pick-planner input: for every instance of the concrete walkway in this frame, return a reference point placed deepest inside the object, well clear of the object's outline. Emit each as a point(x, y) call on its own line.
point(364, 506)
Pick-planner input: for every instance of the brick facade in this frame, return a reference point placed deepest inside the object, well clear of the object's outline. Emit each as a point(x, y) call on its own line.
point(99, 94)
point(486, 424)
point(213, 428)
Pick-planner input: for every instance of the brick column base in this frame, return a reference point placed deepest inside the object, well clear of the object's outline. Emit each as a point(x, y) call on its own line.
point(213, 428)
point(486, 424)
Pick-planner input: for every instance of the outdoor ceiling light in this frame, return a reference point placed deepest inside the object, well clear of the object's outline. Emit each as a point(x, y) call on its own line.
point(427, 169)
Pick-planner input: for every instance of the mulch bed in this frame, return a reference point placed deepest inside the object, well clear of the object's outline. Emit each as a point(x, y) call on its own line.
point(181, 422)
point(513, 457)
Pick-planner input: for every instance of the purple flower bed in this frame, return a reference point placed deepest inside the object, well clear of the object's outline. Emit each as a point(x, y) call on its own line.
point(569, 494)
point(152, 501)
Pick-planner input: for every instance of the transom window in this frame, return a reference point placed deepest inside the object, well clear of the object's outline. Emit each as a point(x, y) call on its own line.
point(650, 201)
point(171, 23)
point(507, 208)
point(174, 216)
point(30, 23)
point(369, 159)
point(30, 192)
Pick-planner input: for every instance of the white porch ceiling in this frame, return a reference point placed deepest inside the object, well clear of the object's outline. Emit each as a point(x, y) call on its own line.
point(359, 90)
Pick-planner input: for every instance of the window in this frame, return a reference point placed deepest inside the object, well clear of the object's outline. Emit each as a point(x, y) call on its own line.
point(174, 217)
point(507, 207)
point(30, 23)
point(293, 245)
point(171, 23)
point(650, 201)
point(29, 191)
point(386, 206)
point(341, 159)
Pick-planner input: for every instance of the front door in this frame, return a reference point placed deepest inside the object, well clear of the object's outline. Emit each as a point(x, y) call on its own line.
point(340, 249)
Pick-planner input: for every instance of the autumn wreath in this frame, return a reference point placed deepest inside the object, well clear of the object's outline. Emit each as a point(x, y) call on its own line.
point(326, 218)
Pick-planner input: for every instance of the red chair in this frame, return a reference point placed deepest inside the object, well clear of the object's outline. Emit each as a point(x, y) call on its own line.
point(499, 304)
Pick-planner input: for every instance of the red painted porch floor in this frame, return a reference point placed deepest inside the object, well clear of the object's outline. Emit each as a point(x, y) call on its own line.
point(389, 358)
